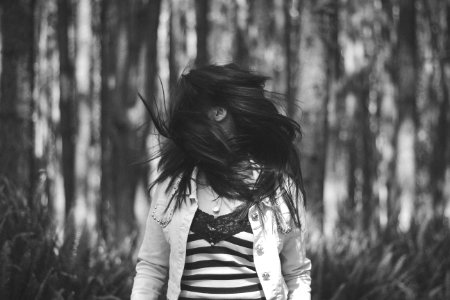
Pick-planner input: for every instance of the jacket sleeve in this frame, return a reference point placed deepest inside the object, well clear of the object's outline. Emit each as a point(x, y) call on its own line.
point(296, 267)
point(152, 261)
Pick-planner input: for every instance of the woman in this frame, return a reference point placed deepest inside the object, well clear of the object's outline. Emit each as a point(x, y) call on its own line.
point(227, 218)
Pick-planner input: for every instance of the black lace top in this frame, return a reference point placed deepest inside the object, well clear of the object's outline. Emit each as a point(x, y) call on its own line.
point(215, 229)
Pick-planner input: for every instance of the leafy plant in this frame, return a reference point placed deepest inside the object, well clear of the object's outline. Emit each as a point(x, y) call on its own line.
point(34, 266)
point(389, 265)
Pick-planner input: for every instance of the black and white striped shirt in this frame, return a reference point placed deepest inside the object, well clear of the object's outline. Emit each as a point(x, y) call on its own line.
point(219, 260)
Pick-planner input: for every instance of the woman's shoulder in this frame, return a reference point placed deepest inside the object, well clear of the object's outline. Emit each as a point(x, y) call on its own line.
point(162, 190)
point(287, 188)
point(162, 200)
point(165, 189)
point(289, 202)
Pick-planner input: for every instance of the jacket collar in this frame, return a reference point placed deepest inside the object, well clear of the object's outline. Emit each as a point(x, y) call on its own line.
point(193, 192)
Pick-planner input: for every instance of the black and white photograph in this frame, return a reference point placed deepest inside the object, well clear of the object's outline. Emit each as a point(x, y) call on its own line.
point(224, 149)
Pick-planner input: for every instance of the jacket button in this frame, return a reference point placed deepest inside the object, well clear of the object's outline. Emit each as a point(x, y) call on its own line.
point(260, 249)
point(255, 216)
point(266, 276)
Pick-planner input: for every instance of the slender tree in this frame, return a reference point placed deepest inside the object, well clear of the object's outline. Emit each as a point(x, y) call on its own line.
point(106, 47)
point(242, 21)
point(67, 103)
point(117, 190)
point(336, 175)
point(47, 123)
point(292, 10)
point(127, 42)
point(16, 88)
point(202, 28)
point(439, 46)
point(403, 198)
point(178, 31)
point(86, 149)
point(152, 12)
point(367, 157)
point(313, 102)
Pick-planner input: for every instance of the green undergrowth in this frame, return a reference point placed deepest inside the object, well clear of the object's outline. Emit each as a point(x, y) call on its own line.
point(384, 265)
point(33, 265)
point(353, 265)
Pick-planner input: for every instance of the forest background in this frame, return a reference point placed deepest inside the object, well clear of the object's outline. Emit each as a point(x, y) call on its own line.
point(367, 80)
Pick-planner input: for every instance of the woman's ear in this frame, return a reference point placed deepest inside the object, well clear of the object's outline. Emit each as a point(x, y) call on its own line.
point(217, 113)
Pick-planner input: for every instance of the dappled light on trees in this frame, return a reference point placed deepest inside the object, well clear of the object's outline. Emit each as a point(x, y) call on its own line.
point(356, 76)
point(368, 81)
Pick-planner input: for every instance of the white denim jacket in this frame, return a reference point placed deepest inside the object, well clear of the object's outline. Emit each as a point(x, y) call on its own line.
point(279, 250)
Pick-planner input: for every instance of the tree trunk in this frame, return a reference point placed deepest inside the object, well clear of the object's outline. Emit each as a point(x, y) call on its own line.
point(311, 92)
point(368, 164)
point(337, 157)
point(67, 103)
point(125, 124)
point(202, 27)
point(358, 140)
point(47, 123)
point(292, 10)
point(177, 40)
point(153, 12)
point(86, 150)
point(439, 161)
point(241, 54)
point(403, 200)
point(386, 123)
point(106, 70)
point(16, 88)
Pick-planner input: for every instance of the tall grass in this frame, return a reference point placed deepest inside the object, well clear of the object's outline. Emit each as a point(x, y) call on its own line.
point(34, 266)
point(384, 264)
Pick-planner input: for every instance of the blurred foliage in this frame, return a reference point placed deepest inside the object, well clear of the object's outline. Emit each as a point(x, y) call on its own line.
point(33, 265)
point(386, 264)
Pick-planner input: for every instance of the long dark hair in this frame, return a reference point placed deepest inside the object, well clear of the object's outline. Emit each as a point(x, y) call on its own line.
point(264, 137)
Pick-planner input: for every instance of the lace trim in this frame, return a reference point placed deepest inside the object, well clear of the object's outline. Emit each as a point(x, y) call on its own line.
point(220, 228)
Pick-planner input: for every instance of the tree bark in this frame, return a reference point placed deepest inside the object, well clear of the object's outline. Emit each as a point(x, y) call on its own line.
point(202, 28)
point(16, 87)
point(117, 187)
point(177, 41)
point(359, 143)
point(67, 103)
point(403, 200)
point(241, 54)
point(292, 11)
point(337, 157)
point(47, 123)
point(87, 187)
point(153, 12)
point(311, 93)
point(439, 162)
point(106, 66)
point(125, 124)
point(368, 164)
